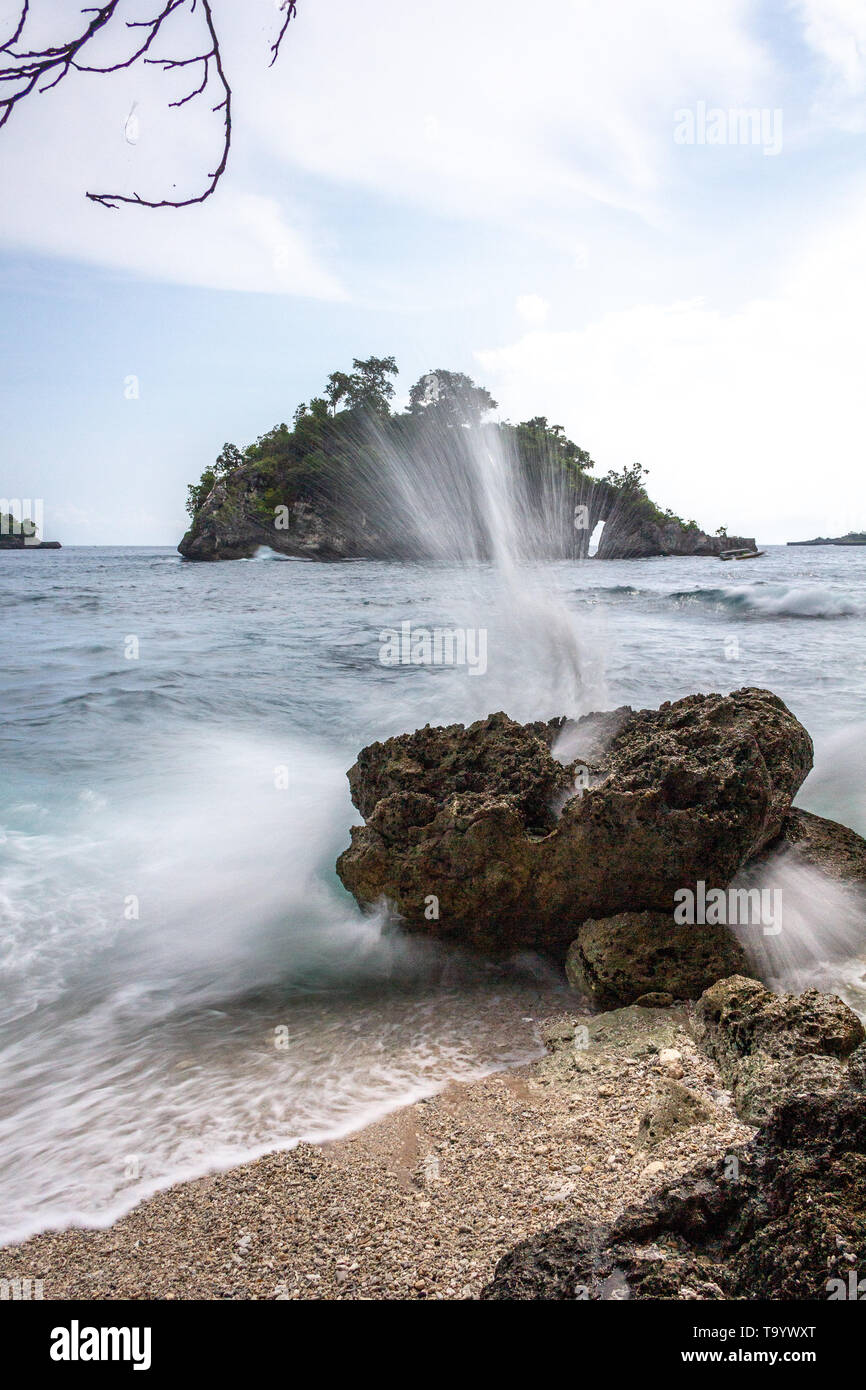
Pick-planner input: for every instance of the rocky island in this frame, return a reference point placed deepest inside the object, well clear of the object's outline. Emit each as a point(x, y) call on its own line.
point(352, 480)
point(852, 538)
point(22, 535)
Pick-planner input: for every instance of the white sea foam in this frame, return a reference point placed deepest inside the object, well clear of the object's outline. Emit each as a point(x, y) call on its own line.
point(775, 600)
point(139, 1051)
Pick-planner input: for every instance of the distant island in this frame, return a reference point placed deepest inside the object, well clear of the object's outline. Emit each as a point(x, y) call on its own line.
point(353, 480)
point(22, 535)
point(852, 538)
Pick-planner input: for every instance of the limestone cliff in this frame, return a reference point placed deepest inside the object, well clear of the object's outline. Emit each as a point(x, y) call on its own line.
point(234, 521)
point(238, 516)
point(634, 536)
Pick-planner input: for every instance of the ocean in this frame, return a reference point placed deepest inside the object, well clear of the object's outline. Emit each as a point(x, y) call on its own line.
point(185, 982)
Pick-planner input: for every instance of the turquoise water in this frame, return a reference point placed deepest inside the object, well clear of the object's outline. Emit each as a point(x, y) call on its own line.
point(185, 983)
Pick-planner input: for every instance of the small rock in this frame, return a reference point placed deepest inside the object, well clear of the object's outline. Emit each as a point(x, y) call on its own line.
point(674, 1107)
point(671, 1061)
point(652, 1169)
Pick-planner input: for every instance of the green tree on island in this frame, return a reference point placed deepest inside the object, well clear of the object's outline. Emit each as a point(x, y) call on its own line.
point(450, 398)
point(227, 460)
point(320, 451)
point(539, 441)
point(369, 386)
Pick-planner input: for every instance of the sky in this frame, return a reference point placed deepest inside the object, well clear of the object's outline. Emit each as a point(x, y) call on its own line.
point(559, 199)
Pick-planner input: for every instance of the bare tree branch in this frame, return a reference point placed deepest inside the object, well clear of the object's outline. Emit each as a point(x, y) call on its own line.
point(289, 9)
point(26, 71)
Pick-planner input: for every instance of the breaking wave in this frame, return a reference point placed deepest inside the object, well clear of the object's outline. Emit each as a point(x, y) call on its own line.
point(772, 601)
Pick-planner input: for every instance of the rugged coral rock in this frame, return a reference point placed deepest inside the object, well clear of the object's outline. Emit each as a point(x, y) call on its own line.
point(825, 845)
point(462, 834)
point(770, 1046)
point(674, 1107)
point(619, 959)
point(602, 1042)
point(782, 1217)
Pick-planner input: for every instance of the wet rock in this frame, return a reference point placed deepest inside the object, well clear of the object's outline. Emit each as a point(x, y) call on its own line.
point(618, 959)
point(780, 1217)
point(769, 1047)
point(495, 760)
point(826, 845)
point(783, 1217)
point(604, 1044)
point(462, 835)
point(856, 1076)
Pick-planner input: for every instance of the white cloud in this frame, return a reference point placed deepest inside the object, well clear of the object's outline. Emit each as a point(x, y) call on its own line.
point(485, 109)
point(754, 418)
point(836, 30)
point(119, 134)
point(532, 309)
point(479, 111)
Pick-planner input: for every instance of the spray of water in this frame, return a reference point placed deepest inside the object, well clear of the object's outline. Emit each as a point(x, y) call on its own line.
point(818, 940)
point(822, 941)
point(459, 495)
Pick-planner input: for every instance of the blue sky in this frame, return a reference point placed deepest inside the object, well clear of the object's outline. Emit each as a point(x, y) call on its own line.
point(498, 190)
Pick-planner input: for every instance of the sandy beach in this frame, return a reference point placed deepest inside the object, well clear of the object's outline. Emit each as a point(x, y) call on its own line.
point(421, 1204)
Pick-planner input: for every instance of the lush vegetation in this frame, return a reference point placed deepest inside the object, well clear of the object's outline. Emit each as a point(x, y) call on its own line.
point(332, 451)
point(630, 484)
point(315, 456)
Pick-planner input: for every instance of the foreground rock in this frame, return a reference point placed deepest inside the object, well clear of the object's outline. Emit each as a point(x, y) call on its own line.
point(783, 1217)
point(617, 960)
point(771, 1046)
point(780, 1217)
point(462, 834)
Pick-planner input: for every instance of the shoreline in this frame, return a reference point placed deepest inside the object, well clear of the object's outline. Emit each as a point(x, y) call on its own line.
point(423, 1202)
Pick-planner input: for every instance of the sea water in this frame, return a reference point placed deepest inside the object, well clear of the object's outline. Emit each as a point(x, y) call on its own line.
point(185, 983)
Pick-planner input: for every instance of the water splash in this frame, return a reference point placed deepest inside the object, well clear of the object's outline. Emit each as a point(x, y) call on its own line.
point(821, 943)
point(460, 496)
